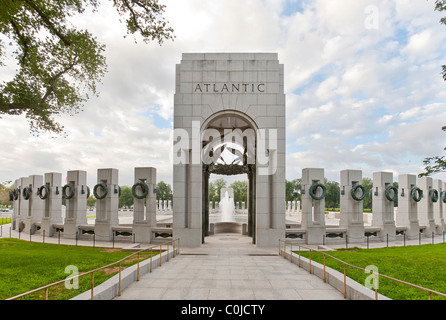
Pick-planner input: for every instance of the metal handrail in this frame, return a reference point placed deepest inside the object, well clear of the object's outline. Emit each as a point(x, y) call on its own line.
point(353, 266)
point(46, 287)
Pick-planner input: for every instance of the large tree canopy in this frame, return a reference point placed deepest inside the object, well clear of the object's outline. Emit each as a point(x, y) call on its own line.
point(59, 65)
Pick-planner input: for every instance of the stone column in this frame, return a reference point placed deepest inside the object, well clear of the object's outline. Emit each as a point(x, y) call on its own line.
point(51, 192)
point(24, 204)
point(438, 206)
point(382, 207)
point(35, 204)
point(426, 206)
point(313, 221)
point(144, 209)
point(107, 194)
point(351, 196)
point(443, 201)
point(407, 205)
point(16, 204)
point(75, 193)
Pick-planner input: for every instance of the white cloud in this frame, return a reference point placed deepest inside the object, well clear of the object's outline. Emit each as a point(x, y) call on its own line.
point(356, 97)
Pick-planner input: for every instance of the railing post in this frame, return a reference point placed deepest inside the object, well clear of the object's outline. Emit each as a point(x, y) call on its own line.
point(160, 256)
point(376, 288)
point(324, 268)
point(119, 288)
point(137, 275)
point(299, 256)
point(46, 293)
point(151, 254)
point(291, 253)
point(43, 234)
point(310, 261)
point(167, 251)
point(92, 285)
point(345, 283)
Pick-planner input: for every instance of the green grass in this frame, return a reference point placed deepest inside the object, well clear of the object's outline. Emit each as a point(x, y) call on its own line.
point(25, 266)
point(423, 265)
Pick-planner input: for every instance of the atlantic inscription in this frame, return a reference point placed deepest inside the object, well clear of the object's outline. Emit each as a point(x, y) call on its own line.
point(229, 87)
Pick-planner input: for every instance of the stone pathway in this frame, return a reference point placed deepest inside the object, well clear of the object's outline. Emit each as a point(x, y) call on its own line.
point(228, 266)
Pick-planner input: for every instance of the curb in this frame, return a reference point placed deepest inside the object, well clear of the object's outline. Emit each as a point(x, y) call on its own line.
point(109, 288)
point(353, 289)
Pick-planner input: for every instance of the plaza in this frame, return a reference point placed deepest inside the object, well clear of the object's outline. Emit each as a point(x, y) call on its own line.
point(229, 118)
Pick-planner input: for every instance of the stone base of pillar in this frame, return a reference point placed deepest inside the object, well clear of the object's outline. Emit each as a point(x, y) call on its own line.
point(355, 233)
point(190, 238)
point(142, 233)
point(70, 229)
point(103, 231)
point(47, 226)
point(268, 238)
point(315, 235)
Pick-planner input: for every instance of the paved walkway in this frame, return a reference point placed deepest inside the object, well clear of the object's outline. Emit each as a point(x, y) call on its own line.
point(228, 266)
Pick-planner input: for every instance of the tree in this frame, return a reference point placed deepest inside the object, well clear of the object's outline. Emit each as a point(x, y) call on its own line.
point(435, 164)
point(367, 183)
point(126, 198)
point(332, 196)
point(163, 191)
point(59, 65)
point(240, 191)
point(214, 189)
point(91, 201)
point(5, 188)
point(292, 189)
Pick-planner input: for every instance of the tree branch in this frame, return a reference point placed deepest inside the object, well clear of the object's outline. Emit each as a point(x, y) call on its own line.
point(53, 80)
point(48, 23)
point(22, 39)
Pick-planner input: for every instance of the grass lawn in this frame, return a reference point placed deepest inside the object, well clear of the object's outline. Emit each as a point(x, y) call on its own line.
point(423, 265)
point(25, 266)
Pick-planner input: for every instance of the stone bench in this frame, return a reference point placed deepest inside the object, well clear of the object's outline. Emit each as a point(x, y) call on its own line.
point(58, 227)
point(86, 228)
point(401, 230)
point(331, 232)
point(122, 231)
point(162, 232)
point(372, 231)
point(295, 233)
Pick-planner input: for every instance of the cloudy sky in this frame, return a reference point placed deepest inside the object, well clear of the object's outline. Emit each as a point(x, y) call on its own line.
point(362, 80)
